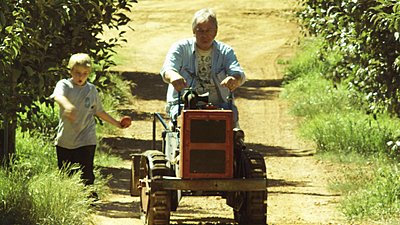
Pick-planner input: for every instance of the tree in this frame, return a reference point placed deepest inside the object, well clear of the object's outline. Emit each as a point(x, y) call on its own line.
point(36, 37)
point(367, 34)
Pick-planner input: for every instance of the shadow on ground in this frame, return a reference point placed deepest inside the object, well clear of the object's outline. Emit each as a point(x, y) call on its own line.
point(120, 179)
point(278, 151)
point(146, 86)
point(116, 209)
point(119, 184)
point(204, 221)
point(251, 89)
point(259, 90)
point(124, 147)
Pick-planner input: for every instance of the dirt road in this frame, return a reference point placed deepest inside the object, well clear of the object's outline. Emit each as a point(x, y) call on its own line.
point(262, 32)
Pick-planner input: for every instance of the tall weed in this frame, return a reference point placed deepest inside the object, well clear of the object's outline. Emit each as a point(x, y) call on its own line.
point(35, 153)
point(307, 61)
point(308, 90)
point(59, 199)
point(44, 198)
point(34, 191)
point(15, 201)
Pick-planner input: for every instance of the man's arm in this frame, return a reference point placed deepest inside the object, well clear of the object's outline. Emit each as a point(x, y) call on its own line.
point(236, 75)
point(175, 79)
point(232, 82)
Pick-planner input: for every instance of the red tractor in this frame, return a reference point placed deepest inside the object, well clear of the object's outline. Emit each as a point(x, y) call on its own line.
point(201, 154)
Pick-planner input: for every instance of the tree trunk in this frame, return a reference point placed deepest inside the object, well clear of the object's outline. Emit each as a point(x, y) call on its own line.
point(7, 142)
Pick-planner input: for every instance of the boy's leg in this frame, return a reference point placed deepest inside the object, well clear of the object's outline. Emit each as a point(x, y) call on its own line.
point(85, 158)
point(64, 157)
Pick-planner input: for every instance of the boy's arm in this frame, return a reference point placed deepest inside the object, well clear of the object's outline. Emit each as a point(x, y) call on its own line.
point(109, 119)
point(69, 108)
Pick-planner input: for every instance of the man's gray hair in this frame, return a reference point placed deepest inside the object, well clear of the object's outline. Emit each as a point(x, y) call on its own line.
point(204, 15)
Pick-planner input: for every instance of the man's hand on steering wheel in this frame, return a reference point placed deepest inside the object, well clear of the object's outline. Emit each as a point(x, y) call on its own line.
point(175, 79)
point(231, 83)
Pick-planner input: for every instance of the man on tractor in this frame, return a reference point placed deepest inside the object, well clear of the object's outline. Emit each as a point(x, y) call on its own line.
point(204, 65)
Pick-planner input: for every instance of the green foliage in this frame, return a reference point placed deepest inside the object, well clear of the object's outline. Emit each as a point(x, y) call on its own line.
point(345, 133)
point(36, 39)
point(377, 199)
point(43, 119)
point(306, 76)
point(308, 61)
point(335, 120)
point(366, 34)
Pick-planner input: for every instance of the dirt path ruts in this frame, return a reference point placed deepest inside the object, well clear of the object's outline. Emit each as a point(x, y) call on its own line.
point(261, 32)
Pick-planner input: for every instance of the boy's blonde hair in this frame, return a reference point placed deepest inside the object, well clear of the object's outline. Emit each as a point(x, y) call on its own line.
point(79, 59)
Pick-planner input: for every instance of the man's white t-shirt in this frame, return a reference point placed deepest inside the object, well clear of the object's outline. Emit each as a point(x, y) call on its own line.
point(205, 84)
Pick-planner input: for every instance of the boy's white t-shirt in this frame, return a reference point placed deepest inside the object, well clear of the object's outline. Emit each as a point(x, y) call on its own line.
point(82, 131)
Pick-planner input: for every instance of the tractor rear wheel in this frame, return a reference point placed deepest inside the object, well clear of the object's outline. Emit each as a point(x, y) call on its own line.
point(250, 207)
point(155, 204)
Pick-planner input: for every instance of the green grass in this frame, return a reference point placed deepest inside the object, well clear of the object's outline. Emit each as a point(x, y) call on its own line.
point(44, 198)
point(307, 61)
point(366, 146)
point(378, 199)
point(34, 191)
point(351, 132)
point(312, 95)
point(371, 191)
point(59, 199)
point(16, 203)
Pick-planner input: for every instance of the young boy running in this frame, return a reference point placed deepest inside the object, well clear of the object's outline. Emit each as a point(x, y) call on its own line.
point(79, 103)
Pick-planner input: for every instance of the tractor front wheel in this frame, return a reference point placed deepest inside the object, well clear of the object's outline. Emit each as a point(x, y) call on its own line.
point(155, 204)
point(250, 206)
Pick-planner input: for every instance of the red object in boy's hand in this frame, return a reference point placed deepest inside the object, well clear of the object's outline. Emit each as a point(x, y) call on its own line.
point(125, 121)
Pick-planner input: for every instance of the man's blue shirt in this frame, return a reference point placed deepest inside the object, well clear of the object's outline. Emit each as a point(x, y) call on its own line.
point(181, 58)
